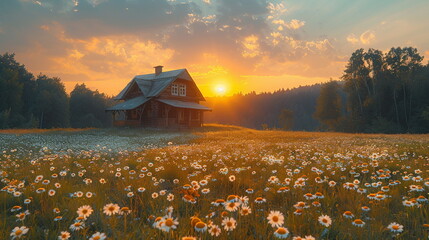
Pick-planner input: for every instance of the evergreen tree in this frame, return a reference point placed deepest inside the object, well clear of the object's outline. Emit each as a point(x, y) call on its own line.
point(328, 108)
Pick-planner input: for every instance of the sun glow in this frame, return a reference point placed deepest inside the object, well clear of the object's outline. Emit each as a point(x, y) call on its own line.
point(220, 89)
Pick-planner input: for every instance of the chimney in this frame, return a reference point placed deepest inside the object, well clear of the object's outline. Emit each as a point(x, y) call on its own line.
point(158, 70)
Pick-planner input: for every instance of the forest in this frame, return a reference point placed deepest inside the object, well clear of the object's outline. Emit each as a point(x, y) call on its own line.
point(378, 93)
point(27, 101)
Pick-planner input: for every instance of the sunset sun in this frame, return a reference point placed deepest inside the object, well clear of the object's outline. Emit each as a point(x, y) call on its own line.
point(220, 89)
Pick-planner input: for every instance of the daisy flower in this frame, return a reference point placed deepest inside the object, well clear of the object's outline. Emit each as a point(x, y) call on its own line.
point(358, 222)
point(200, 227)
point(111, 209)
point(229, 224)
point(84, 211)
point(348, 214)
point(232, 206)
point(18, 232)
point(325, 220)
point(98, 236)
point(281, 232)
point(64, 235)
point(169, 223)
point(77, 226)
point(214, 230)
point(245, 210)
point(275, 218)
point(395, 227)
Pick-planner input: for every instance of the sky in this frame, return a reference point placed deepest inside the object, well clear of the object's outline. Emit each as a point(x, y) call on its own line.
point(228, 46)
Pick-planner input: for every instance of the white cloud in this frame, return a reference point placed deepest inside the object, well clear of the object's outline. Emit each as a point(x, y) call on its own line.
point(207, 1)
point(367, 37)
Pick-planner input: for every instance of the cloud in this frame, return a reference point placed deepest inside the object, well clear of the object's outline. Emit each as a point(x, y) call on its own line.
point(251, 46)
point(110, 41)
point(351, 38)
point(293, 24)
point(367, 37)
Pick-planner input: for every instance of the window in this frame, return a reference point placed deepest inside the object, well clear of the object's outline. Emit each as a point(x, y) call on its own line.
point(174, 89)
point(182, 90)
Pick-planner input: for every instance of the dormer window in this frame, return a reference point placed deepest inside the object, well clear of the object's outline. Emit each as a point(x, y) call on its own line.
point(178, 89)
point(174, 89)
point(182, 90)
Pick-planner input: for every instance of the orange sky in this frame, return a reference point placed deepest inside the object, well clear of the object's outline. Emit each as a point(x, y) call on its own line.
point(233, 46)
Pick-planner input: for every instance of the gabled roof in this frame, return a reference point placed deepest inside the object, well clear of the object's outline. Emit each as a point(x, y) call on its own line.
point(152, 85)
point(129, 104)
point(182, 104)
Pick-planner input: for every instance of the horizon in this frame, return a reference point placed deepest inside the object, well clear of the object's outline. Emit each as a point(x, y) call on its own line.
point(227, 46)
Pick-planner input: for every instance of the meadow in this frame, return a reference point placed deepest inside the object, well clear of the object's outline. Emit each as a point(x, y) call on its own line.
point(218, 182)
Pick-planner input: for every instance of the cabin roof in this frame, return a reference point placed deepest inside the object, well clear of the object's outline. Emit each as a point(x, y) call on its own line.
point(182, 104)
point(129, 104)
point(151, 85)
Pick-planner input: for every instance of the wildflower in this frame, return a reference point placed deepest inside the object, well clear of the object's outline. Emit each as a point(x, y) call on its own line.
point(15, 208)
point(358, 222)
point(232, 206)
point(27, 201)
point(205, 190)
point(64, 235)
point(200, 227)
point(316, 204)
point(189, 238)
point(245, 210)
point(155, 195)
point(229, 224)
point(281, 232)
point(170, 197)
point(84, 211)
point(395, 227)
point(298, 212)
point(275, 218)
point(124, 211)
point(325, 220)
point(348, 214)
point(130, 194)
point(51, 192)
point(111, 209)
point(231, 178)
point(40, 190)
point(249, 191)
point(21, 216)
point(309, 196)
point(88, 194)
point(58, 218)
point(214, 230)
point(98, 236)
point(260, 200)
point(169, 223)
point(365, 208)
point(77, 226)
point(17, 194)
point(18, 232)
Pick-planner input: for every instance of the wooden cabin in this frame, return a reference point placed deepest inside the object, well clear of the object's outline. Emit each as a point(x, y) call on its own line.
point(161, 100)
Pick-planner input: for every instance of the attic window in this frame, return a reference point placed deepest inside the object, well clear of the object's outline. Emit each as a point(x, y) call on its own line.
point(174, 89)
point(182, 90)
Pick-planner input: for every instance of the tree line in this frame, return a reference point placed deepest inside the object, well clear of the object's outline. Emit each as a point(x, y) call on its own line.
point(386, 92)
point(378, 93)
point(27, 101)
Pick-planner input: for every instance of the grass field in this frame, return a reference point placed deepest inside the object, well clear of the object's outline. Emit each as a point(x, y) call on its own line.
point(219, 182)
